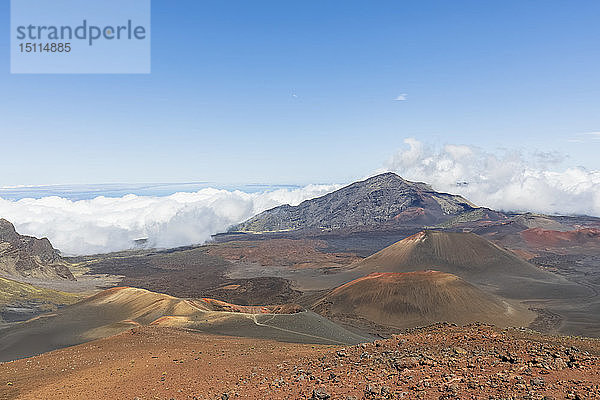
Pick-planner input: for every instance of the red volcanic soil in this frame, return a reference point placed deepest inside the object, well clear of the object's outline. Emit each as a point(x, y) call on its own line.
point(524, 254)
point(410, 213)
point(420, 298)
point(472, 258)
point(150, 363)
point(383, 279)
point(439, 362)
point(302, 253)
point(538, 237)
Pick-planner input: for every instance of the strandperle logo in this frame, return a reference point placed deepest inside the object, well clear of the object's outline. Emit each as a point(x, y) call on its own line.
point(80, 36)
point(85, 31)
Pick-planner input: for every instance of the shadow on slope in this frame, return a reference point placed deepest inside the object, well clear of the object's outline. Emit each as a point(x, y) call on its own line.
point(118, 309)
point(407, 300)
point(21, 301)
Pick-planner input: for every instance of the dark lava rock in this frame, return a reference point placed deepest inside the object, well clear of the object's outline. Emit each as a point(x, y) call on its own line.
point(385, 199)
point(320, 394)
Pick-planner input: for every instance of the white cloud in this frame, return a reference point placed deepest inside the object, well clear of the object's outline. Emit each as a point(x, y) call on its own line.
point(108, 224)
point(509, 181)
point(402, 97)
point(16, 186)
point(585, 137)
point(592, 135)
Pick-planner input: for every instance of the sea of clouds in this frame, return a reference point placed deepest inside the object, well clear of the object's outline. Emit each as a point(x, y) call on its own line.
point(509, 181)
point(506, 181)
point(105, 224)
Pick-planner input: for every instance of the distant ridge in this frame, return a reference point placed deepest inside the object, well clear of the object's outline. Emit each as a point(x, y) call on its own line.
point(28, 257)
point(383, 200)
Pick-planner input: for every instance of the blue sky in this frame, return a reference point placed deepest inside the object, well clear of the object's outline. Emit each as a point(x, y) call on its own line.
point(303, 91)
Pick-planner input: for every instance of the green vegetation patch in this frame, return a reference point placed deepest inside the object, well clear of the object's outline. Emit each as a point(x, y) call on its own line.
point(14, 292)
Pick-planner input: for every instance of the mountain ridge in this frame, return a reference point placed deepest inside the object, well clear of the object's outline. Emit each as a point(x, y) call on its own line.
point(24, 256)
point(385, 199)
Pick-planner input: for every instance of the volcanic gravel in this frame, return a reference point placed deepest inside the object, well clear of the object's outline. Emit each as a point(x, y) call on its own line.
point(439, 362)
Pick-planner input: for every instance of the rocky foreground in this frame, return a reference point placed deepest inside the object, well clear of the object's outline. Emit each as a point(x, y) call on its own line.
point(449, 362)
point(439, 362)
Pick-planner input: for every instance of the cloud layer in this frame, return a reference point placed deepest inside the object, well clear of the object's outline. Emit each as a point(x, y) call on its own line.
point(509, 181)
point(107, 224)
